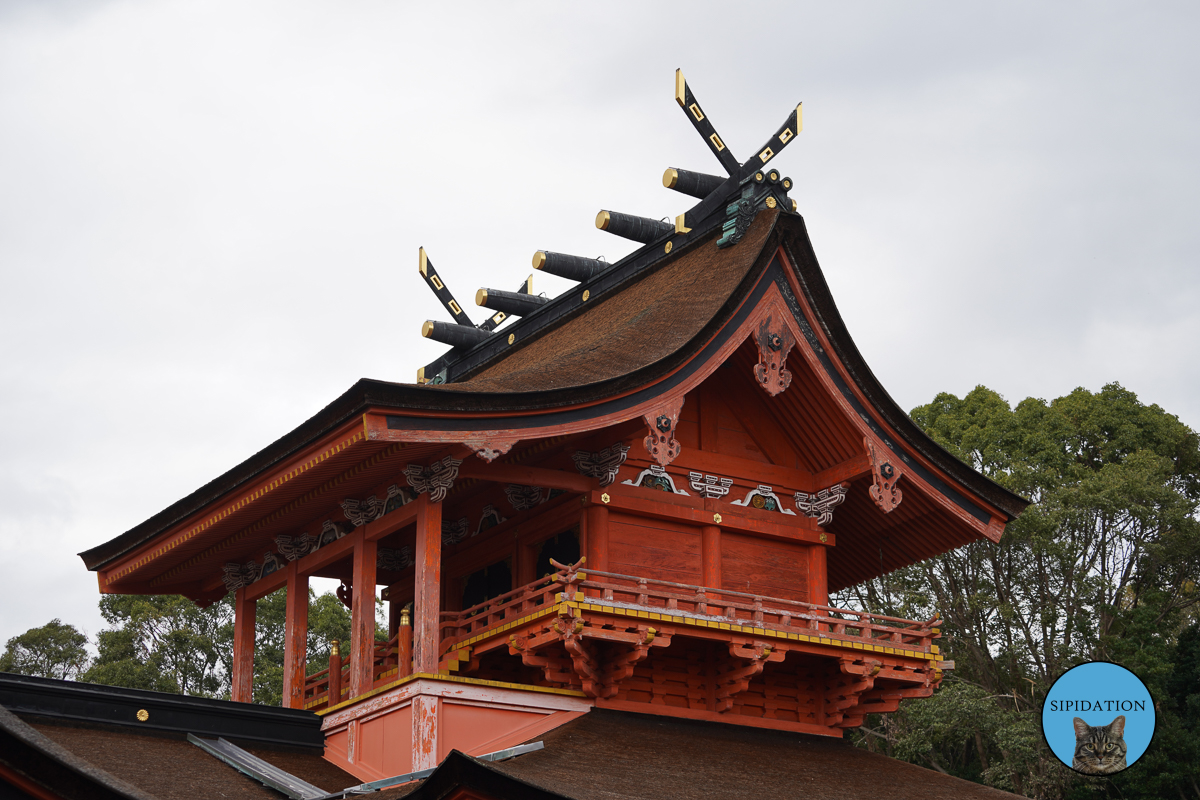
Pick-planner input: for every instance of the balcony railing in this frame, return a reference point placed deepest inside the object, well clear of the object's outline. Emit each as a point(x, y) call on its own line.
point(393, 659)
point(678, 599)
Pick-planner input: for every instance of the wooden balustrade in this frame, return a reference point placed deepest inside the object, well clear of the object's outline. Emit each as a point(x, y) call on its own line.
point(393, 659)
point(741, 608)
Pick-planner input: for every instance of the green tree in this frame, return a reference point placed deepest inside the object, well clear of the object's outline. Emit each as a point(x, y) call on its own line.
point(161, 642)
point(54, 650)
point(1102, 565)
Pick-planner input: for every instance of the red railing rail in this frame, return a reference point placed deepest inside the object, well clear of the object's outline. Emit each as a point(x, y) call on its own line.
point(392, 661)
point(741, 608)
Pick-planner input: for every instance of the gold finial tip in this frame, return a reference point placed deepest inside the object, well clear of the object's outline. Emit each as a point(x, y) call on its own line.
point(404, 618)
point(422, 261)
point(481, 297)
point(680, 85)
point(539, 259)
point(427, 328)
point(333, 648)
point(602, 220)
point(670, 177)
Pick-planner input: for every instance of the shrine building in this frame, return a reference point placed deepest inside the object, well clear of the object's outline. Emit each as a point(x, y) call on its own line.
point(629, 501)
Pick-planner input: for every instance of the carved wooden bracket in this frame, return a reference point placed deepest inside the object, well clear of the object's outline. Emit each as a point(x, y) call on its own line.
point(360, 512)
point(436, 480)
point(748, 661)
point(845, 694)
point(885, 472)
point(773, 349)
point(820, 506)
point(523, 498)
point(489, 450)
point(661, 444)
point(603, 465)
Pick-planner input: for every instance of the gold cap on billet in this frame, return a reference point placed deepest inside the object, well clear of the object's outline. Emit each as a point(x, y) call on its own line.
point(481, 297)
point(539, 259)
point(427, 328)
point(602, 220)
point(670, 177)
point(422, 261)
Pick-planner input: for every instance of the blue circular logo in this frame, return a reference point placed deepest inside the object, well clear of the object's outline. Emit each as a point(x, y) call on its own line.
point(1098, 718)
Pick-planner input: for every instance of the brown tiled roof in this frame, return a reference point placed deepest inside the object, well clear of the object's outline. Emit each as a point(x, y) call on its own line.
point(648, 321)
point(166, 766)
point(609, 755)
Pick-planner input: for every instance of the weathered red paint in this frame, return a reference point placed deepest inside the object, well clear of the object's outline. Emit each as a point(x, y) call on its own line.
point(427, 601)
point(295, 652)
point(362, 615)
point(244, 610)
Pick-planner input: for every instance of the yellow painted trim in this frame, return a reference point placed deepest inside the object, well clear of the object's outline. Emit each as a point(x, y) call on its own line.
point(520, 687)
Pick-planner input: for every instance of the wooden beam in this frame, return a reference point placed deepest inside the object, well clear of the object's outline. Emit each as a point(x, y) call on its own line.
point(295, 633)
point(428, 579)
point(780, 478)
point(525, 476)
point(846, 471)
point(362, 614)
point(244, 610)
point(733, 518)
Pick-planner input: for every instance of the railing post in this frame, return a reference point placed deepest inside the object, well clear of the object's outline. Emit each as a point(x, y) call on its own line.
point(335, 674)
point(404, 642)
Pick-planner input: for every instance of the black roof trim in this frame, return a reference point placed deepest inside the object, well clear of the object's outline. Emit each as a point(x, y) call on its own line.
point(112, 705)
point(812, 281)
point(461, 364)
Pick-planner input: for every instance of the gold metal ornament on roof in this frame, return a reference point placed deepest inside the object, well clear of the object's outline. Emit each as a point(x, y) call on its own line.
point(143, 715)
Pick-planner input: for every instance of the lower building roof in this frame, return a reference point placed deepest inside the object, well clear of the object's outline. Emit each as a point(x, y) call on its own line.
point(614, 755)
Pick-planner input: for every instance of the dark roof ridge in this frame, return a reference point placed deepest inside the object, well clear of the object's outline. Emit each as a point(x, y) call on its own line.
point(113, 705)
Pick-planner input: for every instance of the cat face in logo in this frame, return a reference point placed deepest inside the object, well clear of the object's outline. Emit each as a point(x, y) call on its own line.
point(1099, 750)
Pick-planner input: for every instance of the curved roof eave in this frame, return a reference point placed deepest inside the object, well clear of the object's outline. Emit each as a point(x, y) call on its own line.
point(451, 401)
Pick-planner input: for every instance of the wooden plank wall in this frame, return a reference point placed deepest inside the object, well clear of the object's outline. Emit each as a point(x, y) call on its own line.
point(764, 566)
point(654, 548)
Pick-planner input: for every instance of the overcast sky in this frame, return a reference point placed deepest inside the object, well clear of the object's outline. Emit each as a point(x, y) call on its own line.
point(210, 212)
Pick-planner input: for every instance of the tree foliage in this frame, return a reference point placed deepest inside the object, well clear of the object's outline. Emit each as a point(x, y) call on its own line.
point(54, 650)
point(1102, 566)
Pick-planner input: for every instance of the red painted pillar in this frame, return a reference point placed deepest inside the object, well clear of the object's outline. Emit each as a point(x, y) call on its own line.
point(597, 538)
point(427, 605)
point(243, 647)
point(710, 554)
point(818, 576)
point(362, 615)
point(295, 638)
